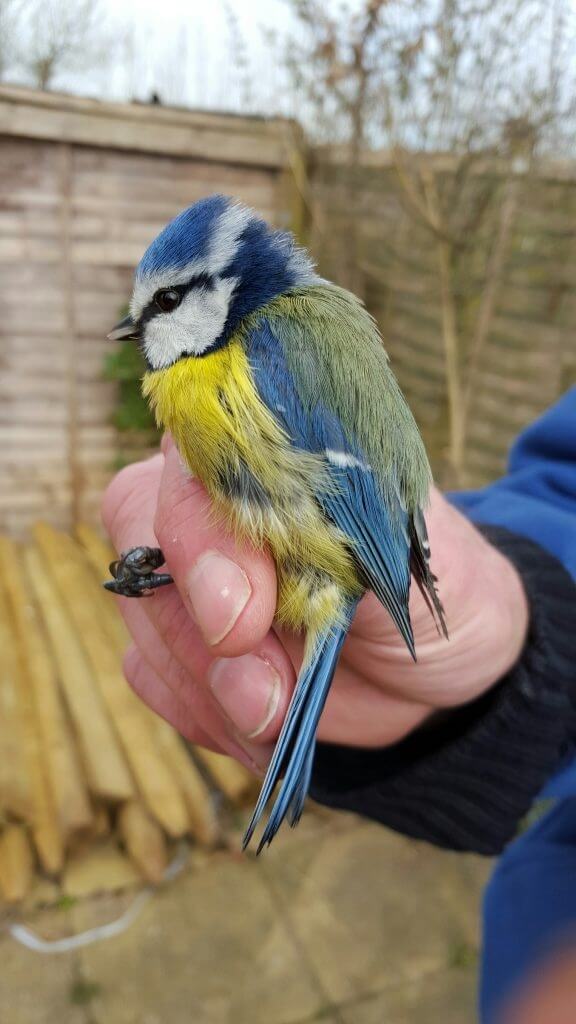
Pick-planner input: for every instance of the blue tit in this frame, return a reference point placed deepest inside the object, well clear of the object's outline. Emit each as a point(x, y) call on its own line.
point(277, 389)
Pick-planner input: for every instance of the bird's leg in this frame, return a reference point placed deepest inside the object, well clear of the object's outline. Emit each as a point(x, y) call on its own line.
point(133, 573)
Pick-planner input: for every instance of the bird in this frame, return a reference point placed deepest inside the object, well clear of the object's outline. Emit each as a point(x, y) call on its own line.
point(278, 392)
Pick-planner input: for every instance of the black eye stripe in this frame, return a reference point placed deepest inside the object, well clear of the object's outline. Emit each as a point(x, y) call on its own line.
point(198, 281)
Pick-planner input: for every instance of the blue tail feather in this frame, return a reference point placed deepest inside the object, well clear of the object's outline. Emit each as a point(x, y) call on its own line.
point(299, 798)
point(294, 752)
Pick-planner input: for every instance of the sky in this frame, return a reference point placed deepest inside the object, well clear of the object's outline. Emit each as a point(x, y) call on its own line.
point(184, 53)
point(189, 51)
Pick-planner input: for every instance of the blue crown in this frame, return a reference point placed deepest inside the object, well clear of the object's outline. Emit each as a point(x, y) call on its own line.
point(185, 239)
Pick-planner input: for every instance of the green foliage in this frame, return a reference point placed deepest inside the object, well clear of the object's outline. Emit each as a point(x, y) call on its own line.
point(66, 902)
point(126, 365)
point(82, 992)
point(461, 954)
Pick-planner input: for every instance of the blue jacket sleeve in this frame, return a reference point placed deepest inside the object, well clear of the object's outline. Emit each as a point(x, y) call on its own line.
point(530, 903)
point(537, 497)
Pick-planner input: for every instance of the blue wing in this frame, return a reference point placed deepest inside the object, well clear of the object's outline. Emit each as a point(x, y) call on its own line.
point(386, 542)
point(367, 510)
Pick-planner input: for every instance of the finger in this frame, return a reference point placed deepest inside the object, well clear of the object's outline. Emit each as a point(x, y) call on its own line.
point(129, 504)
point(152, 689)
point(255, 699)
point(161, 624)
point(360, 715)
point(244, 700)
point(154, 692)
point(228, 588)
point(128, 511)
point(249, 715)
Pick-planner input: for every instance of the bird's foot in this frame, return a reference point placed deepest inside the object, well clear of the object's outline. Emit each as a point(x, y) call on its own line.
point(133, 573)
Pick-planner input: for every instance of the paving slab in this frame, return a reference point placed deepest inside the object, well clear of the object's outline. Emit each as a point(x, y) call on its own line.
point(35, 988)
point(340, 922)
point(459, 879)
point(445, 998)
point(373, 910)
point(211, 948)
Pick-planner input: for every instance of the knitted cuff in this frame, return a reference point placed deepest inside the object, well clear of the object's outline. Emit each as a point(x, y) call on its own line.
point(466, 782)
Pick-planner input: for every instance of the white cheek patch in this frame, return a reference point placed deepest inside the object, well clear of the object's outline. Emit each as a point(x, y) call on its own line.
point(192, 328)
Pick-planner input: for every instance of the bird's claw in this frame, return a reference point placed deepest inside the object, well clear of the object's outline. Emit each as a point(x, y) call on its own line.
point(133, 573)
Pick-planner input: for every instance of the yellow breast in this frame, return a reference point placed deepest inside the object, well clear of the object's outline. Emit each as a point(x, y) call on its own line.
point(211, 407)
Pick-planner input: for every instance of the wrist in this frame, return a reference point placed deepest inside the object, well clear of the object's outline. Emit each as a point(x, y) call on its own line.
point(486, 611)
point(488, 618)
point(504, 621)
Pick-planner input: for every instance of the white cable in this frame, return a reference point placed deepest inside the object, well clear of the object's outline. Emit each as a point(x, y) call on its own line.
point(105, 931)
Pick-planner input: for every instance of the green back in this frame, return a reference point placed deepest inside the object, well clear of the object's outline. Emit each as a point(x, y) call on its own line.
point(336, 356)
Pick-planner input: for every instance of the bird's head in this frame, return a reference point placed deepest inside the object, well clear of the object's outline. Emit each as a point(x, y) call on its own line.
point(211, 266)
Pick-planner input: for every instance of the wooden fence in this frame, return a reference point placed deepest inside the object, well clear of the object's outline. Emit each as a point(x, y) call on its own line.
point(529, 355)
point(84, 187)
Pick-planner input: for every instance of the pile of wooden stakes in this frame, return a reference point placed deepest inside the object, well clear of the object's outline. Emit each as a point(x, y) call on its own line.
point(85, 768)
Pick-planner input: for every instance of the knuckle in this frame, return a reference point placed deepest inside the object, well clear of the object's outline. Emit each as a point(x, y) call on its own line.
point(181, 683)
point(130, 663)
point(181, 508)
point(123, 497)
point(174, 625)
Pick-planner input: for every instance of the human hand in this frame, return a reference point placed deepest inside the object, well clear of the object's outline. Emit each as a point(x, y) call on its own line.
point(207, 657)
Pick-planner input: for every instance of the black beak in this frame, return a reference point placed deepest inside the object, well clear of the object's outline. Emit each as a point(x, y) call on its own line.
point(124, 331)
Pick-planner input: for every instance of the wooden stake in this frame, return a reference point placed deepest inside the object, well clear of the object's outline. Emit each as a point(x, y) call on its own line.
point(232, 778)
point(99, 554)
point(15, 785)
point(82, 598)
point(185, 774)
point(43, 821)
point(66, 793)
point(102, 868)
point(16, 863)
point(97, 550)
point(144, 841)
point(106, 770)
point(199, 800)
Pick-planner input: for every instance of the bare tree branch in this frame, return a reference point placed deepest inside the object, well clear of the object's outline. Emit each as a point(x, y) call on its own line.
point(53, 37)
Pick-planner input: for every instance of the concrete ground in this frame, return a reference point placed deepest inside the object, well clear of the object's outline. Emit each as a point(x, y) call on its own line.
point(341, 922)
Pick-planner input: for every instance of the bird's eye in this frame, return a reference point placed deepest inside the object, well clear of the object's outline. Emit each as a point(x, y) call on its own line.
point(167, 299)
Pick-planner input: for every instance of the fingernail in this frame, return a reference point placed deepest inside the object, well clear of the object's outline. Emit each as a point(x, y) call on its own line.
point(248, 691)
point(218, 591)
